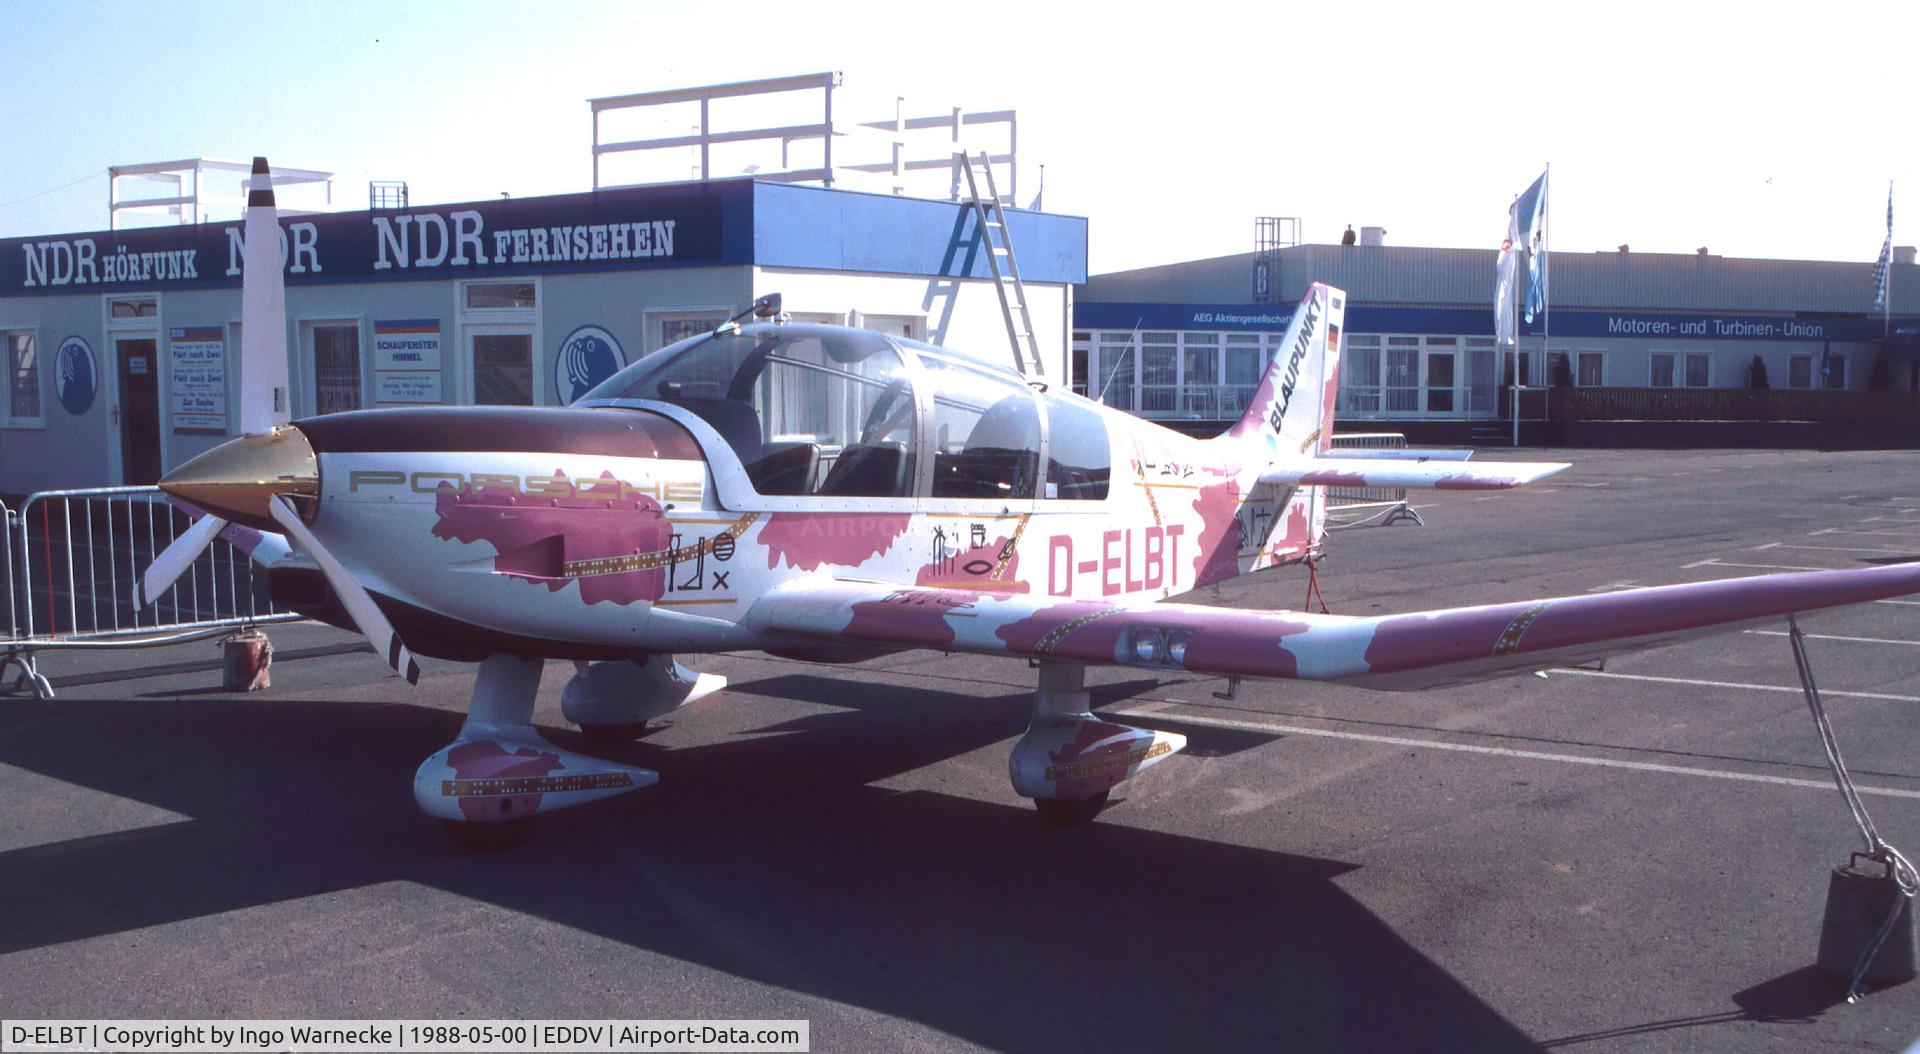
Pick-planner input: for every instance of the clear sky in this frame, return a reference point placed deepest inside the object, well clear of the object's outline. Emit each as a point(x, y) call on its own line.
point(1754, 129)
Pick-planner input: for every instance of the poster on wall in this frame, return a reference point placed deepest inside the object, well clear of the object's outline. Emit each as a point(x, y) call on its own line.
point(406, 362)
point(199, 380)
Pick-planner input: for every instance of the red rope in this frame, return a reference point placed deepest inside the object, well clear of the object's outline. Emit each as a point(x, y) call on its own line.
point(1313, 587)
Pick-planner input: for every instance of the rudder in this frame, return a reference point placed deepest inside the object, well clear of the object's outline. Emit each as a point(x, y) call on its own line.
point(1291, 412)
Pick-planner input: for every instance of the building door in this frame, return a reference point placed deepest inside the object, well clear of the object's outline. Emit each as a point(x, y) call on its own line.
point(139, 409)
point(1403, 376)
point(335, 351)
point(1482, 392)
point(1440, 382)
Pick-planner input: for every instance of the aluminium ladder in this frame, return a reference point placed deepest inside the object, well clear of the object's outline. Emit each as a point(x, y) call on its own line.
point(1013, 304)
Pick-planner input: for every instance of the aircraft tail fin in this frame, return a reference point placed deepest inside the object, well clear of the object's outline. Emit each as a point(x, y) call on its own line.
point(1292, 410)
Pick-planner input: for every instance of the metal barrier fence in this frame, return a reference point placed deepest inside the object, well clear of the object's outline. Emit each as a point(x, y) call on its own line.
point(1386, 504)
point(73, 557)
point(6, 568)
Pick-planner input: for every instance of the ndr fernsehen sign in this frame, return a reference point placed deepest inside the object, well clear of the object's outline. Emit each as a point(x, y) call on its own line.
point(583, 232)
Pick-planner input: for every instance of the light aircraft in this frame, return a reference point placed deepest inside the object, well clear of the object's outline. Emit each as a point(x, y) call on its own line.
point(835, 494)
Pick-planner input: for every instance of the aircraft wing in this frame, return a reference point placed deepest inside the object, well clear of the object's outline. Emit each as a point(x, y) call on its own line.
point(1372, 471)
point(1393, 652)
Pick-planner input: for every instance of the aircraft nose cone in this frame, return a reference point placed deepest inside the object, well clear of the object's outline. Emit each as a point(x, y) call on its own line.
point(237, 478)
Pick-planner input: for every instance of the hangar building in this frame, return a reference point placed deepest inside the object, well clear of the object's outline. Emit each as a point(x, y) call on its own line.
point(1637, 336)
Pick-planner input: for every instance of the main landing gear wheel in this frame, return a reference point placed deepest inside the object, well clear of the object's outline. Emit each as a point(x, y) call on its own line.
point(474, 837)
point(613, 735)
point(1070, 810)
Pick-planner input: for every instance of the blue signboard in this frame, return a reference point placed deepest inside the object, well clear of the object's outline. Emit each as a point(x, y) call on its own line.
point(1478, 322)
point(729, 222)
point(638, 228)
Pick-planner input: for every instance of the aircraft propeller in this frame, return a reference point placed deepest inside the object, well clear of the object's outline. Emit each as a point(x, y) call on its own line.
point(251, 478)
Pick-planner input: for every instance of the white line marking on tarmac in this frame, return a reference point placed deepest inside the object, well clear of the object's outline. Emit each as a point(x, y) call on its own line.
point(1835, 548)
point(1902, 603)
point(1691, 682)
point(1896, 534)
point(1162, 710)
point(1716, 562)
point(1830, 636)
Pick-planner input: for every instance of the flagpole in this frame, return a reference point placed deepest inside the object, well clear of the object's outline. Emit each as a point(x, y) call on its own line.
point(1886, 318)
point(1513, 294)
point(1546, 288)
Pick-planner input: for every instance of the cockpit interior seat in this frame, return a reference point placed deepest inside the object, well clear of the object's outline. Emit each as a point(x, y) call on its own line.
point(785, 468)
point(1001, 457)
point(876, 470)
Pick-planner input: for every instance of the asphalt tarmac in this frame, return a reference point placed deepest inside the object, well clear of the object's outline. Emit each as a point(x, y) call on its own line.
point(1632, 859)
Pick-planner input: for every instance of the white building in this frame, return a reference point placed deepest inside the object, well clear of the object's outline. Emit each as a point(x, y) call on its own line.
point(120, 344)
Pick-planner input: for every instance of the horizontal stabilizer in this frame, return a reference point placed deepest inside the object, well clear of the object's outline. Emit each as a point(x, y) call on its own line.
point(1436, 475)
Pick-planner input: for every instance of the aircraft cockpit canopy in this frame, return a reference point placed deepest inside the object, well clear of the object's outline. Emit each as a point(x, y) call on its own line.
point(834, 412)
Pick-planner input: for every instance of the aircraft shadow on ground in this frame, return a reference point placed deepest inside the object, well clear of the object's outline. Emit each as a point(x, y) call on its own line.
point(766, 856)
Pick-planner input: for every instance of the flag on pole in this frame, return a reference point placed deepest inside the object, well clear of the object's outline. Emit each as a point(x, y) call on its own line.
point(1505, 332)
point(1880, 267)
point(1526, 228)
point(1530, 215)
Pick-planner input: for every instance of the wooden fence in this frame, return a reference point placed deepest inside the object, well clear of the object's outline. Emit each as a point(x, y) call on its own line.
point(1728, 404)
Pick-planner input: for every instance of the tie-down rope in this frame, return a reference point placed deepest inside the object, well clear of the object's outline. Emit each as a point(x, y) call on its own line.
point(1904, 877)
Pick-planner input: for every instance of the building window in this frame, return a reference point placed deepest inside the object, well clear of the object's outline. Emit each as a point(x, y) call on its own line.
point(1244, 366)
point(135, 308)
point(1200, 377)
point(23, 379)
point(1360, 370)
point(1672, 369)
point(335, 351)
point(1159, 372)
point(1403, 375)
point(1583, 369)
point(1699, 366)
point(671, 327)
point(484, 295)
point(906, 327)
point(1800, 371)
point(1112, 380)
point(502, 369)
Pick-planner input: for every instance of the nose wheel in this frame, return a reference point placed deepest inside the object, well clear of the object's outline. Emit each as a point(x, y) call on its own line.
point(487, 786)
